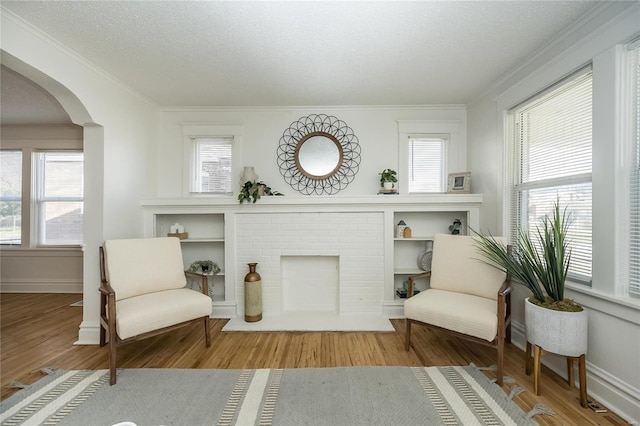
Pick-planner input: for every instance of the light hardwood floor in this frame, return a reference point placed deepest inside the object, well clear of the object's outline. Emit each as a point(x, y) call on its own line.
point(38, 330)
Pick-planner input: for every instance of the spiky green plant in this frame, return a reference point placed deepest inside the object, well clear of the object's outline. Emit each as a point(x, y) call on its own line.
point(538, 263)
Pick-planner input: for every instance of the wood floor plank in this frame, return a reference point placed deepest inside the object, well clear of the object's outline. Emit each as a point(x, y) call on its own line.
point(38, 330)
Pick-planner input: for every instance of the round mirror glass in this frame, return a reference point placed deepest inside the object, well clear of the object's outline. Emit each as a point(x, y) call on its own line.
point(318, 156)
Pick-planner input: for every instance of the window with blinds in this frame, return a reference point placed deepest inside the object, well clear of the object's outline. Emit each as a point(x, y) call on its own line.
point(59, 197)
point(10, 197)
point(550, 160)
point(426, 163)
point(634, 196)
point(211, 166)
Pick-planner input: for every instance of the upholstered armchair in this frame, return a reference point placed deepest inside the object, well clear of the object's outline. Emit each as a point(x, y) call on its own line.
point(466, 297)
point(143, 293)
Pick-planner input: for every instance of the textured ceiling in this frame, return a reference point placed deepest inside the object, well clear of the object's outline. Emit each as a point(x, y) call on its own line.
point(182, 53)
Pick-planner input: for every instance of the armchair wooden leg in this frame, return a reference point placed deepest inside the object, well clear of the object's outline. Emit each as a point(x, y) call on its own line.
point(500, 367)
point(103, 335)
point(207, 332)
point(407, 334)
point(112, 360)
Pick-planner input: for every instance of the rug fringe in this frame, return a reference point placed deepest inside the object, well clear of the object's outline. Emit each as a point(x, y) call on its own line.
point(17, 385)
point(49, 371)
point(489, 368)
point(515, 391)
point(540, 409)
point(505, 379)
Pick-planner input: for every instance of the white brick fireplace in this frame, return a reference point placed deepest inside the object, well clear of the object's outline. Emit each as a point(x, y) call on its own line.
point(282, 243)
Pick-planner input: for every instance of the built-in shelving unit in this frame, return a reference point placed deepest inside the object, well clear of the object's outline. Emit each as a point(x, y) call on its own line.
point(212, 224)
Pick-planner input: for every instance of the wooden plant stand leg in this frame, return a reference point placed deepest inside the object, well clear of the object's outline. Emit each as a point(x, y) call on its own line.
point(582, 374)
point(537, 352)
point(528, 360)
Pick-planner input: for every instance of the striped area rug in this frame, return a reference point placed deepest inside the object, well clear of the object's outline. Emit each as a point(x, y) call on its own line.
point(306, 396)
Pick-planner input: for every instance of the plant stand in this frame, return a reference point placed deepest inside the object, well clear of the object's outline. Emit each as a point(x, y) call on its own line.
point(582, 370)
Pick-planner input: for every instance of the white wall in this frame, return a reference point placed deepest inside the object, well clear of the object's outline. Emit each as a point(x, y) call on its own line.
point(375, 127)
point(120, 132)
point(613, 360)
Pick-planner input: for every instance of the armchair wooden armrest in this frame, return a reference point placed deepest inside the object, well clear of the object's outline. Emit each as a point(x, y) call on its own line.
point(412, 278)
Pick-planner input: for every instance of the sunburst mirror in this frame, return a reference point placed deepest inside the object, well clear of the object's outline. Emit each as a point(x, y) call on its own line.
point(318, 154)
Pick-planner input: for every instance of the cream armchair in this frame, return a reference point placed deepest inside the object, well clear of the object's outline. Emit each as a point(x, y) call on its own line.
point(143, 293)
point(466, 297)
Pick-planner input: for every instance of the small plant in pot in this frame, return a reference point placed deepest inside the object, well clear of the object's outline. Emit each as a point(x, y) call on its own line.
point(204, 267)
point(252, 191)
point(387, 178)
point(540, 262)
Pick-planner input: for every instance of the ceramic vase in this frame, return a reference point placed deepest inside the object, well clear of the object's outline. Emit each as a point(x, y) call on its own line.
point(562, 333)
point(248, 175)
point(252, 295)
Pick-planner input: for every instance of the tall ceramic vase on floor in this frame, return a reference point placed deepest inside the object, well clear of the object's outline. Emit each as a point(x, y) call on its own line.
point(252, 295)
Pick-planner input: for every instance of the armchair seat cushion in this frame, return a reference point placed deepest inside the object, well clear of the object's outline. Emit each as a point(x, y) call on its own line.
point(460, 312)
point(152, 311)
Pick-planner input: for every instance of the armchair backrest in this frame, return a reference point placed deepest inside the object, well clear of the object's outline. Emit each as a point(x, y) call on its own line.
point(139, 266)
point(457, 265)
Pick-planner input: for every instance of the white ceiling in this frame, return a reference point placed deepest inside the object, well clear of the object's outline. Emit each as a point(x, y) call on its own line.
point(268, 53)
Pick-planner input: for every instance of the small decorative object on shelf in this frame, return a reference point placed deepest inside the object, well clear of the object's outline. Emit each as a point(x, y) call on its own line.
point(177, 230)
point(248, 175)
point(406, 233)
point(252, 295)
point(400, 229)
point(403, 293)
point(459, 183)
point(388, 177)
point(204, 267)
point(424, 258)
point(252, 191)
point(455, 227)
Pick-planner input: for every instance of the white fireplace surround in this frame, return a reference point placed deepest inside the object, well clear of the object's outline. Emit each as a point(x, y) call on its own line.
point(356, 232)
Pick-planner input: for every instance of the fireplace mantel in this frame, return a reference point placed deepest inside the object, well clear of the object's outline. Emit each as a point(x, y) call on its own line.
point(358, 231)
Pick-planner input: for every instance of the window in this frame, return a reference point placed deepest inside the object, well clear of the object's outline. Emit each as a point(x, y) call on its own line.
point(10, 197)
point(634, 165)
point(426, 163)
point(211, 165)
point(59, 189)
point(550, 159)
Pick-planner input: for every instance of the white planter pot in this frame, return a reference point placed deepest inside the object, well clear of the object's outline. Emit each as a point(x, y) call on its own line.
point(562, 333)
point(388, 185)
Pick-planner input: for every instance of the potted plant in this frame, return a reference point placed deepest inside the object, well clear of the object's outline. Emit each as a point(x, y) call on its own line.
point(387, 178)
point(252, 191)
point(204, 267)
point(541, 263)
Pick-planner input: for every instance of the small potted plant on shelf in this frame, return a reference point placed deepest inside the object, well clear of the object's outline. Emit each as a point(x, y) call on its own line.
point(204, 267)
point(541, 263)
point(388, 178)
point(252, 191)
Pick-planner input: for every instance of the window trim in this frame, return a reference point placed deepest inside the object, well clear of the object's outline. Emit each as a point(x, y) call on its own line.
point(214, 131)
point(455, 150)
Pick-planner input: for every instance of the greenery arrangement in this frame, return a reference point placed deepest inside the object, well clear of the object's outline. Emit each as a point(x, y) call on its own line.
point(539, 263)
point(388, 175)
point(252, 191)
point(204, 267)
point(454, 228)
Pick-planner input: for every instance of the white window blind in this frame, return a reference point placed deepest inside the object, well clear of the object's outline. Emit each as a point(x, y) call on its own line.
point(426, 163)
point(59, 197)
point(551, 152)
point(211, 166)
point(10, 197)
point(634, 228)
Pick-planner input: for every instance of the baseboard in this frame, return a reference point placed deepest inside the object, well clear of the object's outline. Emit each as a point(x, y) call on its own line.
point(611, 391)
point(89, 333)
point(224, 310)
point(393, 310)
point(45, 285)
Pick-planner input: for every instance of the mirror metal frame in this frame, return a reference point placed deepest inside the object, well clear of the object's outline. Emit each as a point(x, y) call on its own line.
point(331, 128)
